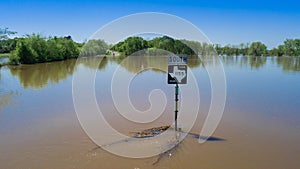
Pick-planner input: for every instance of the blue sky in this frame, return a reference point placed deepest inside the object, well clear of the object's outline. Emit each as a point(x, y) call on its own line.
point(224, 22)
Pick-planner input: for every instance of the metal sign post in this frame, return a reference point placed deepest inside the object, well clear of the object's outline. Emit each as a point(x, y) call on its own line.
point(177, 74)
point(176, 104)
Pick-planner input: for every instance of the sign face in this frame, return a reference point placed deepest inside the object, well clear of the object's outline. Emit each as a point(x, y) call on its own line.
point(177, 74)
point(180, 59)
point(177, 69)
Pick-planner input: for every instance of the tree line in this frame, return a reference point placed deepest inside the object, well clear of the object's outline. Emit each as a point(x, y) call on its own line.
point(135, 44)
point(36, 48)
point(290, 47)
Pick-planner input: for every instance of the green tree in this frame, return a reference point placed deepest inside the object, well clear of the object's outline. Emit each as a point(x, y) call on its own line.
point(94, 47)
point(174, 46)
point(292, 47)
point(6, 46)
point(257, 49)
point(273, 52)
point(218, 48)
point(6, 43)
point(281, 50)
point(54, 50)
point(24, 52)
point(39, 45)
point(289, 47)
point(131, 45)
point(134, 44)
point(194, 45)
point(36, 49)
point(244, 48)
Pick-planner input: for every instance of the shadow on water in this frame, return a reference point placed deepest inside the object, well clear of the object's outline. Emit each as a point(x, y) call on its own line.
point(210, 138)
point(157, 130)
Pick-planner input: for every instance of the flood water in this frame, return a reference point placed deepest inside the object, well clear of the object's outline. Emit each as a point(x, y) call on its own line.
point(260, 127)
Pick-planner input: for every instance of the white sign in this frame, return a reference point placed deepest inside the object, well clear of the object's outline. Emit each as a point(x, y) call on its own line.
point(177, 74)
point(177, 69)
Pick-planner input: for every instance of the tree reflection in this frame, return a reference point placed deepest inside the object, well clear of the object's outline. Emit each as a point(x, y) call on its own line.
point(244, 61)
point(157, 60)
point(289, 64)
point(39, 75)
point(93, 62)
point(136, 64)
point(257, 61)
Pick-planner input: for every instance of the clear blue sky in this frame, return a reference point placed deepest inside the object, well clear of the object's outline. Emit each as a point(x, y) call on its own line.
point(224, 22)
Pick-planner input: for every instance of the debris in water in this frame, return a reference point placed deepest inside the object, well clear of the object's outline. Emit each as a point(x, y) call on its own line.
point(150, 132)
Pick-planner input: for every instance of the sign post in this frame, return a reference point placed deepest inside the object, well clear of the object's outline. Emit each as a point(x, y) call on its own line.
point(176, 104)
point(177, 74)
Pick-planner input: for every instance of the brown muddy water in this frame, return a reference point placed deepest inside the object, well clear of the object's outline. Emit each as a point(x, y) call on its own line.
point(260, 127)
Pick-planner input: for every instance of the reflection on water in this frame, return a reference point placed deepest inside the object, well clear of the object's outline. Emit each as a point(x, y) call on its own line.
point(245, 61)
point(288, 64)
point(93, 62)
point(39, 75)
point(135, 64)
point(257, 62)
point(144, 60)
point(4, 60)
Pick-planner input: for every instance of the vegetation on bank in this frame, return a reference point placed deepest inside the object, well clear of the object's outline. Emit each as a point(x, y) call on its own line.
point(36, 49)
point(94, 47)
point(7, 45)
point(135, 44)
point(290, 47)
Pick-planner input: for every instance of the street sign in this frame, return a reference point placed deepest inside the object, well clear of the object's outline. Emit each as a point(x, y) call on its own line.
point(179, 59)
point(177, 74)
point(177, 69)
